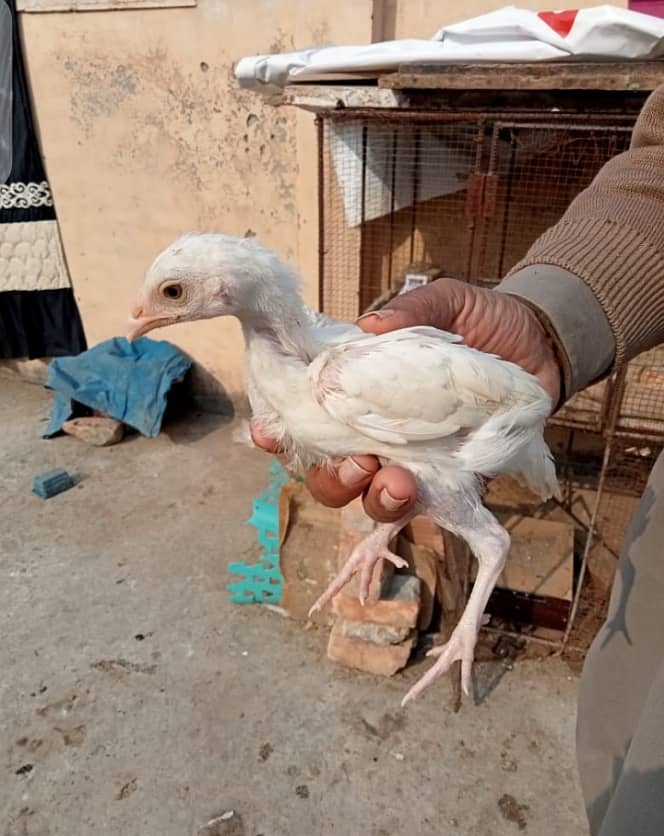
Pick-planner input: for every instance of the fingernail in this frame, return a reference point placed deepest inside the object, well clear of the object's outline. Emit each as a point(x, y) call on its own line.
point(389, 503)
point(384, 313)
point(351, 474)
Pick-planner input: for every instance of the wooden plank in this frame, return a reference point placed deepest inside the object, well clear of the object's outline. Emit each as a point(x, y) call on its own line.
point(541, 559)
point(558, 75)
point(317, 97)
point(457, 566)
point(321, 98)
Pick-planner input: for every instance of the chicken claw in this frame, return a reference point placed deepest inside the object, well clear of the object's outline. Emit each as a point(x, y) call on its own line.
point(363, 559)
point(459, 648)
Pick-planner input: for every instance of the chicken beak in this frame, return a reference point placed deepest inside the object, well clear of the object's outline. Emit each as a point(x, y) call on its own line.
point(139, 326)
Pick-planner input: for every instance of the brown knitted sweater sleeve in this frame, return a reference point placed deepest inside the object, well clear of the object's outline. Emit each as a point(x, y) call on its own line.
point(612, 239)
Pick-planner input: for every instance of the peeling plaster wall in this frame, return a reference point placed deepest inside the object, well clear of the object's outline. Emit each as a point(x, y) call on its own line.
point(146, 135)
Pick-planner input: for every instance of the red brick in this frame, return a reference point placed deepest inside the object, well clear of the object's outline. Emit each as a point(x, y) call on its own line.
point(423, 531)
point(368, 632)
point(378, 659)
point(308, 534)
point(399, 606)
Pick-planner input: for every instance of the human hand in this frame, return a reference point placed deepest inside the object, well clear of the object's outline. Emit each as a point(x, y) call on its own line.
point(488, 321)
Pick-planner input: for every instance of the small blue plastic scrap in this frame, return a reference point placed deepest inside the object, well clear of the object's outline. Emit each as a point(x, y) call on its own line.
point(262, 582)
point(51, 483)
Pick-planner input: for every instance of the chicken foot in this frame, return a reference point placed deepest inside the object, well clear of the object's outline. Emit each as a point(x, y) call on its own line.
point(363, 559)
point(490, 546)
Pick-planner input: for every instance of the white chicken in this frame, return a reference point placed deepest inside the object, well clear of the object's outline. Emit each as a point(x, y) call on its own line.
point(415, 397)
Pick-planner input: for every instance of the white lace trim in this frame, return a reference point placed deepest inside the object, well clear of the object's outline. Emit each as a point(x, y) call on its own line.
point(25, 195)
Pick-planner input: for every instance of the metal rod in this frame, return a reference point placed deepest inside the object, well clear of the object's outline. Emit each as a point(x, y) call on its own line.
point(505, 117)
point(393, 179)
point(363, 208)
point(471, 226)
point(416, 188)
point(508, 199)
point(484, 225)
point(514, 634)
point(503, 631)
point(320, 134)
point(589, 542)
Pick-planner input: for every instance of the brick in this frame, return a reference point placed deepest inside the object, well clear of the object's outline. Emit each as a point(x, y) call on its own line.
point(378, 659)
point(376, 633)
point(423, 563)
point(99, 432)
point(399, 606)
point(423, 531)
point(308, 536)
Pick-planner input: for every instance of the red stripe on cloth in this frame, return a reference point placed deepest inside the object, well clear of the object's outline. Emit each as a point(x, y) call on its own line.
point(560, 22)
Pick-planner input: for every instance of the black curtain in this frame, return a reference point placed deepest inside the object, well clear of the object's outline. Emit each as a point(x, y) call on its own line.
point(35, 320)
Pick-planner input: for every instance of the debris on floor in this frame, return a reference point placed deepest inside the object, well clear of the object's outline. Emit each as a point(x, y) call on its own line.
point(128, 382)
point(95, 430)
point(52, 483)
point(226, 824)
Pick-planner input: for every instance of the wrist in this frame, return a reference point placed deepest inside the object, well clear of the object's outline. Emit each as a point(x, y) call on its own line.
point(577, 328)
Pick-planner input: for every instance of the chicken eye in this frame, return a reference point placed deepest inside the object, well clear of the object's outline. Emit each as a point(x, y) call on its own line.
point(172, 291)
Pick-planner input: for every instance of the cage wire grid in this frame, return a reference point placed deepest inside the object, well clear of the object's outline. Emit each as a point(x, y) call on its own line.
point(464, 195)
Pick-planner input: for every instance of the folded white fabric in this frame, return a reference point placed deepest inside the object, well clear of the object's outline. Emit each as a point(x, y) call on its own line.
point(508, 34)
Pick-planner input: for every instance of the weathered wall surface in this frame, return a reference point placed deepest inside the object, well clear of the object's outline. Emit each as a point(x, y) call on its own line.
point(146, 135)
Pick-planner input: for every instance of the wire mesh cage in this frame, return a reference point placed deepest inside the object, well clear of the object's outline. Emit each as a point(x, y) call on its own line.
point(603, 501)
point(533, 172)
point(446, 194)
point(394, 193)
point(408, 196)
point(640, 396)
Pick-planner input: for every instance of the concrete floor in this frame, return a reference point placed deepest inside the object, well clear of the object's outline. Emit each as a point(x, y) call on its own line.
point(136, 700)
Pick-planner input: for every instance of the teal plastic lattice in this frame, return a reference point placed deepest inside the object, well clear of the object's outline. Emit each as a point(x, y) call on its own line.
point(262, 582)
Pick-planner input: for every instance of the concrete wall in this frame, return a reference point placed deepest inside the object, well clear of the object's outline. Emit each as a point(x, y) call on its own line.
point(146, 135)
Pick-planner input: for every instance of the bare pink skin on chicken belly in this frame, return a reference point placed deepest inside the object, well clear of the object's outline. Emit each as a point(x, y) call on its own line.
point(323, 390)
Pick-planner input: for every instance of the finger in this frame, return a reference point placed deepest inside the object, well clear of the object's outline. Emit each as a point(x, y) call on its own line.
point(261, 440)
point(391, 495)
point(337, 486)
point(436, 304)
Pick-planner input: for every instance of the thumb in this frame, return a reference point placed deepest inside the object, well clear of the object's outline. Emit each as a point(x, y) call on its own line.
point(435, 304)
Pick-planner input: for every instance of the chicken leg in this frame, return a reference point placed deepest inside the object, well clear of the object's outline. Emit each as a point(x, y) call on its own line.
point(363, 559)
point(490, 544)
